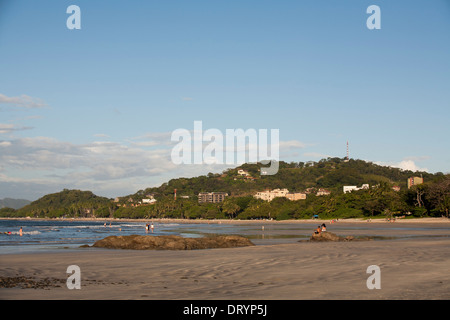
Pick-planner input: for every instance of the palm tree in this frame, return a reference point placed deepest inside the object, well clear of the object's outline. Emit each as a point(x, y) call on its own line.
point(230, 208)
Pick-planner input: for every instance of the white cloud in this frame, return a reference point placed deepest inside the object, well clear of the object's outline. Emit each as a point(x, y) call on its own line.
point(406, 164)
point(5, 144)
point(418, 158)
point(409, 165)
point(6, 128)
point(22, 101)
point(39, 165)
point(99, 160)
point(291, 144)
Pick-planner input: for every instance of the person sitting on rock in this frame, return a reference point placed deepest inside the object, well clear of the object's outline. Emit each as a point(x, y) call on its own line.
point(324, 227)
point(318, 230)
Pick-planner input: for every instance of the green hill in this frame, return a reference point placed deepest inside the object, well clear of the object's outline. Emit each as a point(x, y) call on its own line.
point(331, 174)
point(73, 203)
point(380, 200)
point(432, 198)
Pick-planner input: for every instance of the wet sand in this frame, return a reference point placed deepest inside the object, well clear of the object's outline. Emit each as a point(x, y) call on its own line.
point(412, 267)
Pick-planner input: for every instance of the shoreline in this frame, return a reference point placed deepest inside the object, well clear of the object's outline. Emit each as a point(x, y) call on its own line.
point(230, 221)
point(411, 267)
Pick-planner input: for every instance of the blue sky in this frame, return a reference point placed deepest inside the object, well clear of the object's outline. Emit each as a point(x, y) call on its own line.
point(93, 109)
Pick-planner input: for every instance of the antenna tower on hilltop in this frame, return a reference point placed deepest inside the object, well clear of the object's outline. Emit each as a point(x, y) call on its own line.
point(347, 158)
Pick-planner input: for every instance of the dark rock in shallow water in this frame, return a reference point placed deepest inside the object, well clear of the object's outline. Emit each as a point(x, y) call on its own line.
point(137, 242)
point(329, 236)
point(325, 236)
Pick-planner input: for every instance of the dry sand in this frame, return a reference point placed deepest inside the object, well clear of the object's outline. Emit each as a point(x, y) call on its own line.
point(411, 268)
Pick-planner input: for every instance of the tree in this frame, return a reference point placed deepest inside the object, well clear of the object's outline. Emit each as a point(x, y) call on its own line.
point(230, 207)
point(373, 205)
point(419, 191)
point(112, 208)
point(439, 195)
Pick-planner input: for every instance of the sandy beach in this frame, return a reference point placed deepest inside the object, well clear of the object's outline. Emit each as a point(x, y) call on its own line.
point(410, 268)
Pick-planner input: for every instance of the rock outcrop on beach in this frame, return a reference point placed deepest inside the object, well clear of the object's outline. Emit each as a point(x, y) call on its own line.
point(329, 236)
point(138, 242)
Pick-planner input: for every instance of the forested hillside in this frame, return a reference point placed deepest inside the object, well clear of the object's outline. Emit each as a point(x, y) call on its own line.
point(386, 197)
point(73, 203)
point(331, 173)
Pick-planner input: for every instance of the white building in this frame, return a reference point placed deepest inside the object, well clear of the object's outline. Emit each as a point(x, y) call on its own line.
point(242, 172)
point(350, 188)
point(323, 192)
point(270, 195)
point(294, 196)
point(355, 188)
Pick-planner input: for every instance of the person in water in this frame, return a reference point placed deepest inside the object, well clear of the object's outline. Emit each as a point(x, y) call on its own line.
point(20, 231)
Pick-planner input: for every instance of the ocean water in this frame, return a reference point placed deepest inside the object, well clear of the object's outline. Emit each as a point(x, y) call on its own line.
point(51, 235)
point(45, 235)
